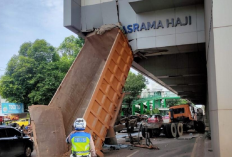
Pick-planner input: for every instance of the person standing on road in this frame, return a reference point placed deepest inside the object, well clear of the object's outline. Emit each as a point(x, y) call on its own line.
point(82, 142)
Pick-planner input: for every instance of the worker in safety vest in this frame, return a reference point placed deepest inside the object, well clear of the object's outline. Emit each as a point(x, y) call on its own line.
point(82, 142)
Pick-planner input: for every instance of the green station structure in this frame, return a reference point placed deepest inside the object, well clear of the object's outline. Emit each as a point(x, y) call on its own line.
point(156, 100)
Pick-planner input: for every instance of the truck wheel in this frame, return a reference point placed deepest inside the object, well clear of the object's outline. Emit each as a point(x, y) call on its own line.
point(156, 132)
point(171, 130)
point(200, 126)
point(28, 151)
point(185, 128)
point(167, 129)
point(180, 130)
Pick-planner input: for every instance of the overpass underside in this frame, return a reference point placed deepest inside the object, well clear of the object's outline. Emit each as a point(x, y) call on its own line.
point(181, 69)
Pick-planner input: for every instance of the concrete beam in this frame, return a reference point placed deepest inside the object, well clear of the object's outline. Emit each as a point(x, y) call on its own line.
point(151, 76)
point(185, 80)
point(176, 76)
point(140, 6)
point(176, 64)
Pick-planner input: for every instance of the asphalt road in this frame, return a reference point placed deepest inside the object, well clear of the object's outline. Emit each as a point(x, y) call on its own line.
point(33, 154)
point(168, 148)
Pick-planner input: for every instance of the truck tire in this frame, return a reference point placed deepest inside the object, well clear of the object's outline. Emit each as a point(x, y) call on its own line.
point(185, 128)
point(200, 126)
point(156, 132)
point(171, 131)
point(167, 130)
point(180, 129)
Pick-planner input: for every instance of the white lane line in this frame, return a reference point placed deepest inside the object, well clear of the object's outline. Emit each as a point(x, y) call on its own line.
point(195, 148)
point(133, 153)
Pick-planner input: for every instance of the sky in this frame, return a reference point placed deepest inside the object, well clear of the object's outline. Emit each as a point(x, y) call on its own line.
point(151, 84)
point(27, 20)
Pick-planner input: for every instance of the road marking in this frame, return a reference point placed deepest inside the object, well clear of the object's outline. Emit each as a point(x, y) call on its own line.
point(195, 148)
point(133, 153)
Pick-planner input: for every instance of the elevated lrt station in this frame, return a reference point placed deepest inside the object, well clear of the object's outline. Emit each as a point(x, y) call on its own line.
point(153, 101)
point(181, 44)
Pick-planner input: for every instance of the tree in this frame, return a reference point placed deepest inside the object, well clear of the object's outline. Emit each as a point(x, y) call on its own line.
point(27, 72)
point(41, 51)
point(33, 76)
point(14, 85)
point(24, 48)
point(155, 111)
point(71, 46)
point(174, 102)
point(133, 87)
point(46, 81)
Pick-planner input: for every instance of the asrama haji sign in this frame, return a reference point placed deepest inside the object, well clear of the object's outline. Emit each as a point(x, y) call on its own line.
point(158, 24)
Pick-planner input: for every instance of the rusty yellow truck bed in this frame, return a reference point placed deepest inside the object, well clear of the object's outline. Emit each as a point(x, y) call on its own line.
point(91, 89)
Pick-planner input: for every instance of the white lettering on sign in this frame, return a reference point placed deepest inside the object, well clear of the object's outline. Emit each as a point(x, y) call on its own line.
point(157, 24)
point(14, 107)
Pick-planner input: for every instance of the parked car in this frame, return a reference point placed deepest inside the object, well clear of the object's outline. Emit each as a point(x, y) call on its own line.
point(14, 143)
point(23, 121)
point(153, 125)
point(166, 118)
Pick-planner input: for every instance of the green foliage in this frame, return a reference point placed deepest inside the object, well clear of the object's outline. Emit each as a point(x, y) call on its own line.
point(14, 85)
point(148, 112)
point(134, 84)
point(174, 102)
point(155, 111)
point(133, 87)
point(24, 48)
point(71, 46)
point(33, 76)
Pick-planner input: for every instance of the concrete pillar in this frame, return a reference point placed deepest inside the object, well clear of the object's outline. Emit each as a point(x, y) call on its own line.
point(218, 54)
point(153, 104)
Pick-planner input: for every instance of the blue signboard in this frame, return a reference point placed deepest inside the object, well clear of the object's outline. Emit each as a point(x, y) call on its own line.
point(10, 108)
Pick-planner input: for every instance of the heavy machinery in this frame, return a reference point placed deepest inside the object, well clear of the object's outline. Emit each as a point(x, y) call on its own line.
point(181, 118)
point(92, 89)
point(187, 115)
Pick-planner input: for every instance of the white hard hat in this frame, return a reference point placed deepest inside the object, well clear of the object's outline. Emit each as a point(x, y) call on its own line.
point(79, 124)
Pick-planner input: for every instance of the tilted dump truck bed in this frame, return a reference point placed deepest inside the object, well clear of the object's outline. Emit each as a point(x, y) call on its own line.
point(91, 89)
